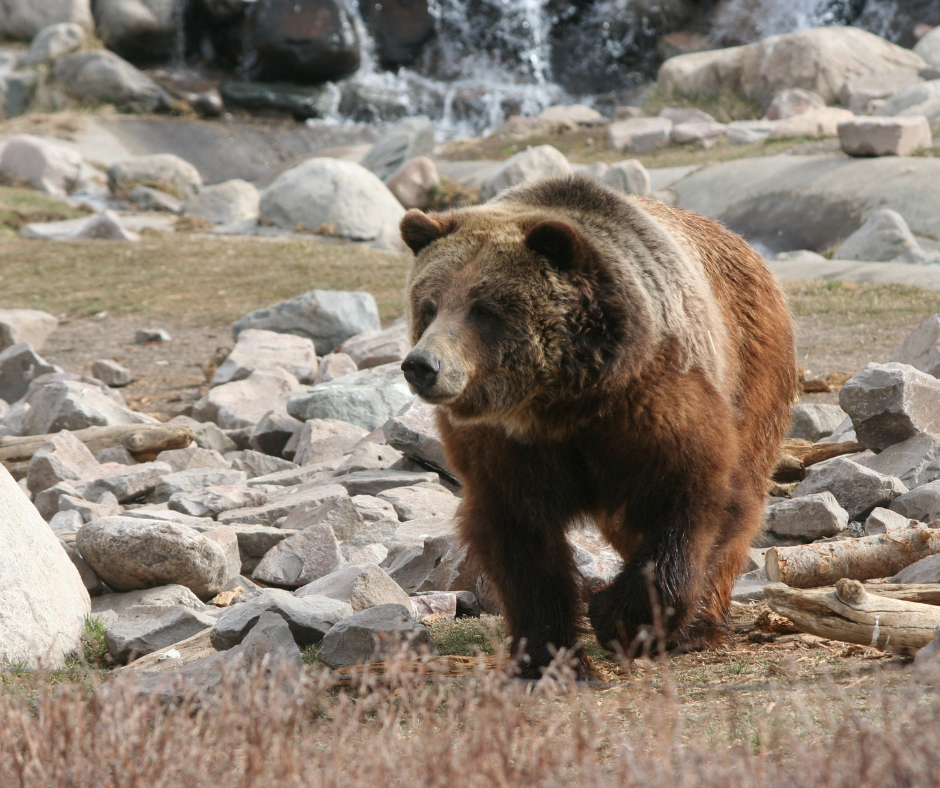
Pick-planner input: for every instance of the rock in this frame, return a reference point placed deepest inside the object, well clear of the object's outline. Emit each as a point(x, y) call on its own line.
point(421, 500)
point(25, 325)
point(367, 398)
point(415, 182)
point(818, 59)
point(305, 474)
point(330, 195)
point(810, 517)
point(912, 99)
point(254, 541)
point(543, 161)
point(927, 656)
point(375, 482)
point(369, 457)
point(154, 200)
point(66, 521)
point(111, 373)
point(414, 432)
point(405, 140)
point(399, 29)
point(147, 336)
point(921, 503)
point(697, 131)
point(26, 18)
point(370, 554)
point(280, 505)
point(88, 511)
point(244, 403)
point(103, 76)
point(326, 439)
point(104, 226)
point(882, 521)
point(212, 501)
point(124, 482)
point(373, 509)
point(143, 31)
point(42, 595)
point(859, 93)
point(303, 41)
point(142, 629)
point(890, 403)
point(226, 537)
point(915, 461)
point(161, 596)
point(328, 317)
point(193, 457)
point(194, 480)
point(749, 132)
point(17, 91)
point(309, 619)
point(375, 348)
point(130, 554)
point(163, 171)
point(857, 489)
point(793, 101)
point(72, 405)
point(49, 167)
point(269, 437)
point(226, 203)
point(814, 123)
point(628, 176)
point(361, 585)
point(434, 603)
point(639, 135)
point(813, 422)
point(334, 365)
point(750, 587)
point(928, 47)
point(61, 458)
point(257, 349)
point(374, 635)
point(576, 113)
point(255, 463)
point(300, 101)
point(926, 570)
point(885, 136)
point(921, 349)
point(300, 559)
point(467, 604)
point(340, 514)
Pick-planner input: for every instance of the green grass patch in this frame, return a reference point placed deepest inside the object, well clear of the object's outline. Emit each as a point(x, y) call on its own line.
point(859, 299)
point(20, 206)
point(468, 637)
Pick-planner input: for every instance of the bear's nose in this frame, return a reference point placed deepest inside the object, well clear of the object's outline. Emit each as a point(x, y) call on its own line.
point(421, 369)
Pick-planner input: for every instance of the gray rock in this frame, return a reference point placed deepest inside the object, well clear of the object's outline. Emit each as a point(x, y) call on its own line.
point(154, 200)
point(73, 405)
point(111, 373)
point(320, 440)
point(192, 458)
point(147, 336)
point(226, 537)
point(373, 553)
point(810, 517)
point(90, 580)
point(306, 556)
point(376, 482)
point(915, 461)
point(922, 503)
point(328, 317)
point(291, 477)
point(104, 226)
point(212, 501)
point(61, 458)
point(812, 422)
point(885, 136)
point(25, 325)
point(857, 489)
point(66, 521)
point(748, 132)
point(87, 510)
point(421, 500)
point(161, 596)
point(414, 182)
point(859, 93)
point(160, 511)
point(884, 237)
point(243, 403)
point(25, 19)
point(195, 479)
point(374, 635)
point(142, 629)
point(333, 196)
point(435, 603)
point(338, 513)
point(254, 541)
point(750, 587)
point(19, 366)
point(408, 138)
point(369, 457)
point(890, 403)
point(42, 595)
point(361, 585)
point(54, 41)
point(49, 167)
point(163, 171)
point(279, 506)
point(309, 618)
point(929, 47)
point(543, 161)
point(373, 509)
point(103, 76)
point(256, 464)
point(926, 570)
point(17, 91)
point(226, 203)
point(374, 348)
point(130, 554)
point(125, 482)
point(143, 30)
point(882, 521)
point(272, 435)
point(334, 365)
point(628, 176)
point(367, 398)
point(257, 349)
point(208, 435)
point(414, 432)
point(910, 98)
point(639, 135)
point(921, 349)
point(926, 658)
point(115, 454)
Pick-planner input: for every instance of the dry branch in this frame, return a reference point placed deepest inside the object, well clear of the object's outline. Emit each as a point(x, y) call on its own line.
point(848, 612)
point(822, 564)
point(795, 455)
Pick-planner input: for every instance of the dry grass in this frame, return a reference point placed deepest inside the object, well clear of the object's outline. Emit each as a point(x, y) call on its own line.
point(851, 300)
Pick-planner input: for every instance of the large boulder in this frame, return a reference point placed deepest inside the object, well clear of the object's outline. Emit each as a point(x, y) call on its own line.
point(857, 489)
point(331, 196)
point(25, 325)
point(257, 349)
point(303, 41)
point(163, 171)
point(226, 203)
point(406, 139)
point(328, 317)
point(105, 77)
point(819, 59)
point(26, 18)
point(884, 237)
point(49, 167)
point(929, 47)
point(41, 593)
point(543, 161)
point(143, 31)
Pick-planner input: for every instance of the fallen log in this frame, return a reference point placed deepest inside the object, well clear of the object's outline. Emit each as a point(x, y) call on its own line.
point(799, 454)
point(925, 593)
point(823, 563)
point(848, 612)
point(143, 441)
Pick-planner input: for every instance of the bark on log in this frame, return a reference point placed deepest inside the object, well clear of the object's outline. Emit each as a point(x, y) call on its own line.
point(848, 612)
point(795, 455)
point(925, 593)
point(822, 564)
point(144, 441)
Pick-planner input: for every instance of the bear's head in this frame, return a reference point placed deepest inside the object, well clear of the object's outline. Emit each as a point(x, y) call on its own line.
point(516, 315)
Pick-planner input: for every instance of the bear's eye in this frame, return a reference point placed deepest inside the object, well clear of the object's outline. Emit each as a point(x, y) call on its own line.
point(484, 311)
point(428, 313)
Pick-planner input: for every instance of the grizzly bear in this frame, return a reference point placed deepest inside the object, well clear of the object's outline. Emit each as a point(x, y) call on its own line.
point(600, 356)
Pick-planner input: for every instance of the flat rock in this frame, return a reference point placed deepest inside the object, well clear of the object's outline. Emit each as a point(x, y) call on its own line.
point(244, 403)
point(130, 554)
point(809, 517)
point(193, 457)
point(374, 348)
point(328, 317)
point(369, 457)
point(334, 365)
point(921, 348)
point(813, 124)
point(142, 629)
point(639, 135)
point(885, 136)
point(340, 514)
point(915, 461)
point(363, 586)
point(230, 202)
point(258, 349)
point(926, 570)
point(74, 405)
point(922, 503)
point(306, 556)
point(279, 506)
point(542, 161)
point(857, 489)
point(256, 463)
point(811, 422)
point(25, 325)
point(161, 596)
point(376, 482)
point(111, 373)
point(374, 635)
point(425, 499)
point(320, 440)
point(194, 479)
point(125, 482)
point(164, 171)
point(373, 509)
point(212, 501)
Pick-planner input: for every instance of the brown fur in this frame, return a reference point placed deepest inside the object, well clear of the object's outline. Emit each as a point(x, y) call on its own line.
point(605, 357)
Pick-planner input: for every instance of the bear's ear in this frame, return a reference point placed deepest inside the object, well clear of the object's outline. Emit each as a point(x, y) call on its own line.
point(562, 244)
point(418, 229)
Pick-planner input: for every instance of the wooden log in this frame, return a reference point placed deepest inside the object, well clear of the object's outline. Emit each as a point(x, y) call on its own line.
point(848, 612)
point(144, 441)
point(788, 469)
point(799, 454)
point(822, 564)
point(925, 593)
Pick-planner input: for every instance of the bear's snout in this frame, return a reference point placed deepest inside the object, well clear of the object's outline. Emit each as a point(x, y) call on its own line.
point(421, 370)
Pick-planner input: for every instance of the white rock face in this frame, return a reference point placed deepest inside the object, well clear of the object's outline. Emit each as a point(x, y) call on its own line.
point(816, 123)
point(244, 403)
point(26, 18)
point(25, 325)
point(257, 349)
point(885, 136)
point(929, 47)
point(41, 593)
point(48, 167)
point(628, 176)
point(332, 196)
point(543, 161)
point(374, 348)
point(226, 203)
point(163, 171)
point(640, 135)
point(883, 238)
